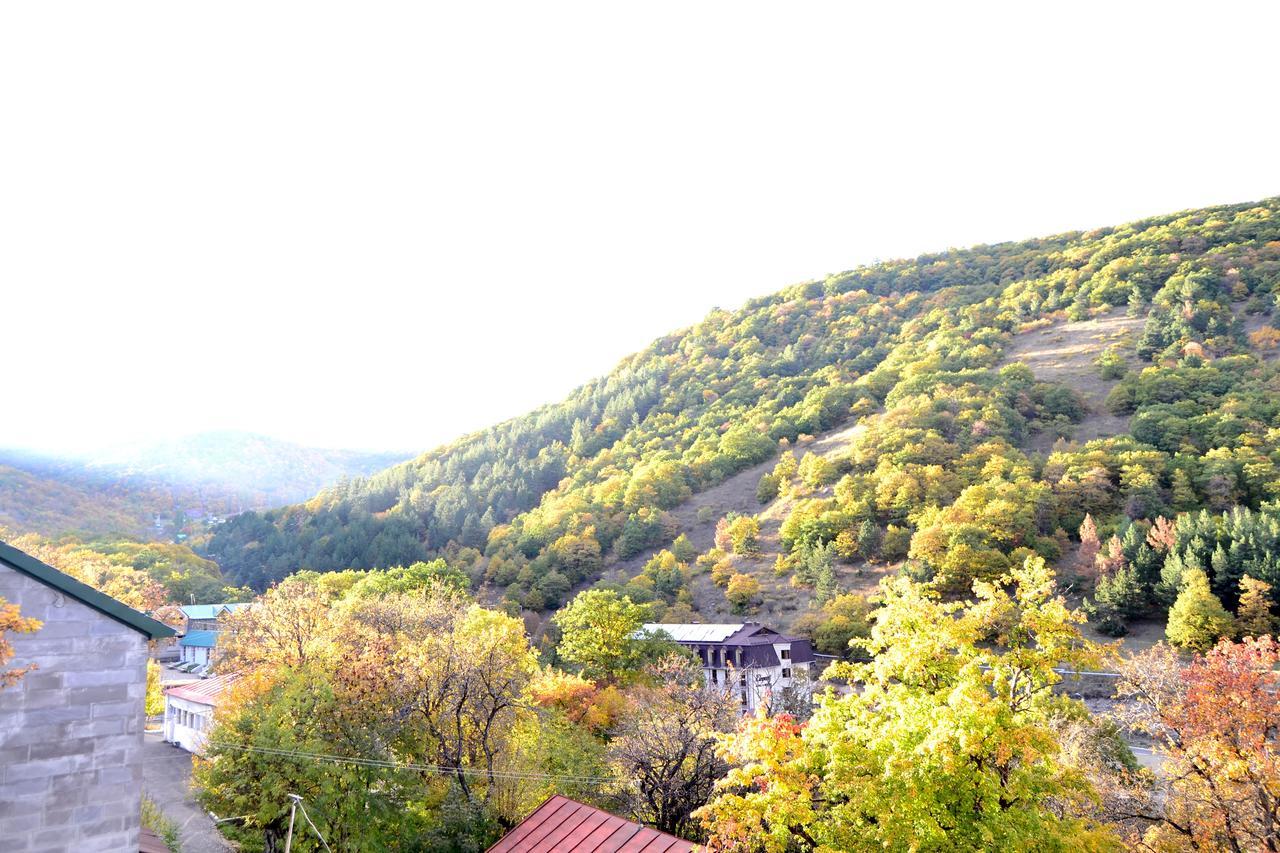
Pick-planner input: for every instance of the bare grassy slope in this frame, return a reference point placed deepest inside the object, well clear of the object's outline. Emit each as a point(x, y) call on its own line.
point(1065, 352)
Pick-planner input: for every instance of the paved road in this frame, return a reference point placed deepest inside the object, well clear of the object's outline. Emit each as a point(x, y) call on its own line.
point(166, 777)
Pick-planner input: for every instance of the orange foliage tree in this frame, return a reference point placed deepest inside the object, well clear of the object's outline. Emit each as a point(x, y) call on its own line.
point(1218, 720)
point(12, 620)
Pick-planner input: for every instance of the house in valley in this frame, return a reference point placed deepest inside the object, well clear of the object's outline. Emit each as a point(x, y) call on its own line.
point(71, 728)
point(562, 824)
point(752, 661)
point(189, 708)
point(208, 617)
point(198, 647)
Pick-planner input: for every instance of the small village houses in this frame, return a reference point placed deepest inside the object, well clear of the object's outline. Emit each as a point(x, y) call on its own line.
point(204, 623)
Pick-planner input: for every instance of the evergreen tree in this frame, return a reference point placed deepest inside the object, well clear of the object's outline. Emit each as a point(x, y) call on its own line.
point(869, 537)
point(1226, 580)
point(826, 587)
point(1182, 493)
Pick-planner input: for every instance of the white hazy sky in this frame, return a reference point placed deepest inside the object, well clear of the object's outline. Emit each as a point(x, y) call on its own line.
point(381, 225)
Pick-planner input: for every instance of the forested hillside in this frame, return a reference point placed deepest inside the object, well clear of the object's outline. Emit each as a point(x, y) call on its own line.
point(967, 440)
point(36, 499)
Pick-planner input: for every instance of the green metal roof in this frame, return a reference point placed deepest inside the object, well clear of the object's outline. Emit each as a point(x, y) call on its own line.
point(210, 611)
point(85, 594)
point(200, 639)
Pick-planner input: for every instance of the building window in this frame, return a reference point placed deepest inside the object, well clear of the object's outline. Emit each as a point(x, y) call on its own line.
point(786, 672)
point(744, 697)
point(786, 654)
point(742, 680)
point(715, 676)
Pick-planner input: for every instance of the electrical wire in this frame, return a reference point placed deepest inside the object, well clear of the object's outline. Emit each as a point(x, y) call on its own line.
point(312, 825)
point(510, 775)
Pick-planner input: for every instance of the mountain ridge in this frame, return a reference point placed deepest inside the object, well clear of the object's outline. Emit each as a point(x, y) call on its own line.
point(915, 349)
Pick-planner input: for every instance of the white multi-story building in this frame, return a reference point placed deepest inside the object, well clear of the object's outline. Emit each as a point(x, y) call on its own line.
point(754, 662)
point(188, 711)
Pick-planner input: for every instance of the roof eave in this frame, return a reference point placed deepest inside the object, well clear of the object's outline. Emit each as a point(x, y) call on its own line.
point(23, 562)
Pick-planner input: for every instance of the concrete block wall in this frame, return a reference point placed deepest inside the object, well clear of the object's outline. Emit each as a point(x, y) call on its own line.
point(71, 731)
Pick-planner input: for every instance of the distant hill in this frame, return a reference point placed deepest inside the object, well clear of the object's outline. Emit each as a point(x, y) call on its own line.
point(264, 471)
point(36, 501)
point(185, 480)
point(956, 411)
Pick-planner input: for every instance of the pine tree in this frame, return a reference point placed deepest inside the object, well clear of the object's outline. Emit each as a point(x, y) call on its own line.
point(1197, 619)
point(826, 586)
point(1183, 494)
point(1171, 578)
point(1111, 559)
point(1122, 592)
point(1162, 537)
point(1254, 618)
point(1226, 581)
point(869, 536)
point(1119, 595)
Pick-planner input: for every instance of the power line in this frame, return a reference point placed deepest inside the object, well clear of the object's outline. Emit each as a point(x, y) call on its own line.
point(512, 775)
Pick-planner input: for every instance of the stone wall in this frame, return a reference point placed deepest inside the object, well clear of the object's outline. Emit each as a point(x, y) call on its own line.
point(71, 731)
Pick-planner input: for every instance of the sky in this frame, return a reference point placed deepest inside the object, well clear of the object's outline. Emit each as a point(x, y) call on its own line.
point(383, 225)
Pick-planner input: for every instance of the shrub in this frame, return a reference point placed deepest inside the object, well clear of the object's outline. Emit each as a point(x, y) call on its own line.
point(1268, 338)
point(767, 488)
point(1111, 364)
point(683, 549)
point(742, 591)
point(744, 534)
point(722, 572)
point(896, 543)
point(155, 820)
point(816, 470)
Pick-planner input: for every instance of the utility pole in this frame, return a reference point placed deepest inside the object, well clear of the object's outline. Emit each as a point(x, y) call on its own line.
point(293, 810)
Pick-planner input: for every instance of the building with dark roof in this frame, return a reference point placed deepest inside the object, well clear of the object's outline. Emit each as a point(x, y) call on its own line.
point(71, 728)
point(561, 824)
point(752, 660)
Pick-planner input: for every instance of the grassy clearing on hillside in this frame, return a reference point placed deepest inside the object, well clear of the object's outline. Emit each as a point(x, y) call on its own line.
point(1066, 352)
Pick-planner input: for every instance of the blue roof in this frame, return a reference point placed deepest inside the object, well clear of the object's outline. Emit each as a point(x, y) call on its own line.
point(200, 639)
point(209, 611)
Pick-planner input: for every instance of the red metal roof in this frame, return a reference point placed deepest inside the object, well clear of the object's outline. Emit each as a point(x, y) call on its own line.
point(561, 825)
point(206, 691)
point(149, 842)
